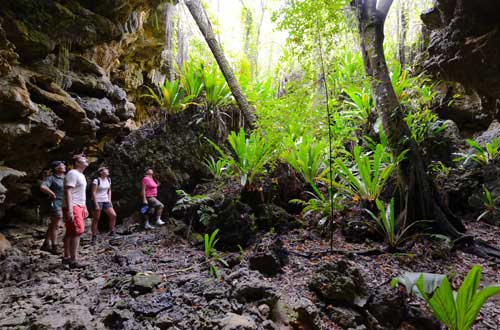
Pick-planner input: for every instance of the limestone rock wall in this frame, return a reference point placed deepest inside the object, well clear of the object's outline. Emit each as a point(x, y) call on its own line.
point(464, 47)
point(70, 73)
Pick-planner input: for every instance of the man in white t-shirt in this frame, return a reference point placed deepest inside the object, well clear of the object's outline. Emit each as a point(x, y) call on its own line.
point(74, 210)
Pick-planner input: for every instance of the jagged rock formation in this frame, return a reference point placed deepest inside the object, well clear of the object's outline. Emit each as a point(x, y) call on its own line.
point(465, 48)
point(69, 74)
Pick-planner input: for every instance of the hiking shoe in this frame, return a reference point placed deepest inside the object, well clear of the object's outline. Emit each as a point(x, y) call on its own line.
point(148, 226)
point(93, 241)
point(45, 246)
point(78, 264)
point(112, 233)
point(66, 260)
point(55, 250)
point(160, 222)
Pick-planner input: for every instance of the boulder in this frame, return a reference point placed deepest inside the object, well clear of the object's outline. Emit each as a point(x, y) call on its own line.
point(298, 313)
point(339, 282)
point(144, 282)
point(269, 256)
point(249, 287)
point(234, 321)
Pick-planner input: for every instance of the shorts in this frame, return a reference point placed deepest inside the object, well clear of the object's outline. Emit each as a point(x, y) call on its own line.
point(104, 205)
point(56, 209)
point(76, 226)
point(154, 203)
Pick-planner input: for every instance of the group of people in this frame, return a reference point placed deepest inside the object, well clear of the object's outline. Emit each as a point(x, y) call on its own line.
point(68, 202)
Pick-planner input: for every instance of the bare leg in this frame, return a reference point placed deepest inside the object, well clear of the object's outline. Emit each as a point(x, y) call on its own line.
point(67, 249)
point(159, 211)
point(74, 244)
point(95, 221)
point(53, 228)
point(110, 212)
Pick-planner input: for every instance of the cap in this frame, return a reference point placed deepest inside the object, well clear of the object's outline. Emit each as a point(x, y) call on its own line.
point(56, 163)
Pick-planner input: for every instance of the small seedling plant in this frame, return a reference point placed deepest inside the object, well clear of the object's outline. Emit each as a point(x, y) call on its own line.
point(212, 256)
point(481, 156)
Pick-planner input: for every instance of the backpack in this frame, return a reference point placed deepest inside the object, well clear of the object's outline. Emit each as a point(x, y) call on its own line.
point(99, 181)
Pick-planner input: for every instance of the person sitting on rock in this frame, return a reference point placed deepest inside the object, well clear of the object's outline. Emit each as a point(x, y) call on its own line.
point(74, 210)
point(101, 197)
point(53, 186)
point(149, 192)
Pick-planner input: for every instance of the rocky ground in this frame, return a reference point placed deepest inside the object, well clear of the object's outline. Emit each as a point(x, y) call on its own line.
point(157, 280)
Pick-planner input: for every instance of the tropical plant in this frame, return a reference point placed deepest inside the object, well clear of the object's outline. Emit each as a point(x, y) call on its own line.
point(482, 156)
point(489, 203)
point(360, 99)
point(386, 224)
point(169, 96)
point(368, 176)
point(306, 157)
point(458, 310)
point(216, 167)
point(211, 254)
point(421, 123)
point(217, 92)
point(318, 203)
point(251, 154)
point(187, 201)
point(191, 78)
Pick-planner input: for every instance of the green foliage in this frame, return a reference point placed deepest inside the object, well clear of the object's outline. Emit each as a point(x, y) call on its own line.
point(421, 123)
point(212, 256)
point(217, 92)
point(366, 179)
point(458, 310)
point(251, 154)
point(360, 99)
point(481, 156)
point(319, 203)
point(191, 78)
point(188, 202)
point(387, 225)
point(169, 96)
point(306, 157)
point(216, 167)
point(489, 202)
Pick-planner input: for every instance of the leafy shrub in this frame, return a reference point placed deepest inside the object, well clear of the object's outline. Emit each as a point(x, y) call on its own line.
point(169, 97)
point(481, 156)
point(191, 78)
point(458, 310)
point(387, 225)
point(251, 154)
point(216, 167)
point(306, 157)
point(366, 179)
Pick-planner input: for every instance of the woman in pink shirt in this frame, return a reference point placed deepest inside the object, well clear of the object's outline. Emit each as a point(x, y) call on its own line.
point(149, 193)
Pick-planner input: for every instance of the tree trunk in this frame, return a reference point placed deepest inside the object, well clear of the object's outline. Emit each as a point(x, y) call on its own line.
point(402, 31)
point(167, 54)
point(201, 19)
point(423, 202)
point(182, 44)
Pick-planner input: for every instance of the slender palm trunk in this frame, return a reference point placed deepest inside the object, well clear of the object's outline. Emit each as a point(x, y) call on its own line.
point(201, 19)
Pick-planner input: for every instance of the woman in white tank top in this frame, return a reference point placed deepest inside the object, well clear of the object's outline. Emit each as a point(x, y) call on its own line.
point(101, 197)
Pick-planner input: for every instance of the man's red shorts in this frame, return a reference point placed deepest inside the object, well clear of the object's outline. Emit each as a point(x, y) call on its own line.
point(76, 226)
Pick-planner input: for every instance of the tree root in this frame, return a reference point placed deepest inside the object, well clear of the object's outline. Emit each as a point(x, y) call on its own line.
point(369, 252)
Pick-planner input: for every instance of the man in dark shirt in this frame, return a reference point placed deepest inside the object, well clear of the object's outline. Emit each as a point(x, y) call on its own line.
point(53, 186)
